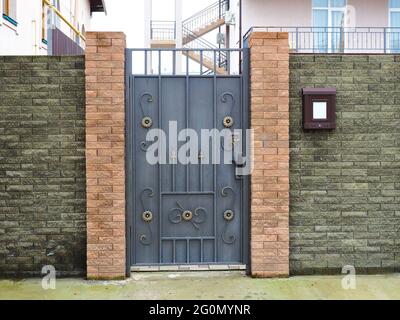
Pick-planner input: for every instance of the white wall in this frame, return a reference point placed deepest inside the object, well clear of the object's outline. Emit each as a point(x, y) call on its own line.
point(371, 13)
point(26, 38)
point(278, 13)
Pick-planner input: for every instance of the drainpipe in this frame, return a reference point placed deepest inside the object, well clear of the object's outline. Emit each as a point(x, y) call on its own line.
point(35, 45)
point(240, 24)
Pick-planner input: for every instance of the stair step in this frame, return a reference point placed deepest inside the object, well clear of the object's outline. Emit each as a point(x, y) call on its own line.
point(208, 63)
point(206, 29)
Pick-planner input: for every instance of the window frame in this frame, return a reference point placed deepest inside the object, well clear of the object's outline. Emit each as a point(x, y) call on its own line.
point(329, 9)
point(44, 23)
point(7, 15)
point(390, 11)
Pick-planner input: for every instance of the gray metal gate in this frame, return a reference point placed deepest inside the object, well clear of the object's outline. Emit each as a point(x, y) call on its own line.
point(185, 213)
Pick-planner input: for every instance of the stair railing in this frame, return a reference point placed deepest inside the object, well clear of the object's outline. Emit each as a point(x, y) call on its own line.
point(206, 16)
point(209, 50)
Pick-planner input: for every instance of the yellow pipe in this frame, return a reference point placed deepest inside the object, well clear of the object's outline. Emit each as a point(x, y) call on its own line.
point(47, 2)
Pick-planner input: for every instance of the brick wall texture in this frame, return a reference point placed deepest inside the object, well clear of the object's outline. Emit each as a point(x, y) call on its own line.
point(105, 154)
point(269, 234)
point(345, 184)
point(42, 165)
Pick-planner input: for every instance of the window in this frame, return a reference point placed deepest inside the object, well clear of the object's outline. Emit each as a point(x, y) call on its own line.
point(328, 23)
point(44, 26)
point(320, 110)
point(394, 23)
point(10, 11)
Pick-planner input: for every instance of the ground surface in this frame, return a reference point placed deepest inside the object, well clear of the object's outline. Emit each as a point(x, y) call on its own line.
point(206, 285)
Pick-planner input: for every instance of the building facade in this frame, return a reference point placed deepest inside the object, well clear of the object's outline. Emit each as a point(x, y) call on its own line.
point(324, 25)
point(43, 27)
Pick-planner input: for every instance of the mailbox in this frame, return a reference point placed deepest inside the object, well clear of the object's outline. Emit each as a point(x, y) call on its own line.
point(319, 108)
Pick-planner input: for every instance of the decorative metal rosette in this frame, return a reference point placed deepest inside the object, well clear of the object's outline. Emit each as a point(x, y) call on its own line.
point(147, 122)
point(229, 215)
point(228, 122)
point(187, 215)
point(147, 216)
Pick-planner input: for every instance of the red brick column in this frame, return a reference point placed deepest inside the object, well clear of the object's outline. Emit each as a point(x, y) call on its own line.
point(269, 76)
point(105, 154)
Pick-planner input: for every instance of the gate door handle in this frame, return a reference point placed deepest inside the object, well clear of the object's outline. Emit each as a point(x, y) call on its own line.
point(239, 162)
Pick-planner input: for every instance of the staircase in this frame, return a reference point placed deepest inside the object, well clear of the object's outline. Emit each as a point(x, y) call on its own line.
point(206, 20)
point(194, 27)
point(206, 55)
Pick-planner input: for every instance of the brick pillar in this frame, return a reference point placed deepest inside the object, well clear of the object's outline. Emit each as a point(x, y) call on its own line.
point(105, 154)
point(269, 77)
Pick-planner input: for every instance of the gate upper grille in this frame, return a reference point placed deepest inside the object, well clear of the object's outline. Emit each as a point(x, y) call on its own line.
point(184, 61)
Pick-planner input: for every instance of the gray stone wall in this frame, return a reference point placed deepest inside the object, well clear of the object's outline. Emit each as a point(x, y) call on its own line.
point(345, 184)
point(42, 165)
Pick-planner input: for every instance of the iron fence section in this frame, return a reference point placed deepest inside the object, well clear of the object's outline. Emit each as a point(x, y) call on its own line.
point(338, 40)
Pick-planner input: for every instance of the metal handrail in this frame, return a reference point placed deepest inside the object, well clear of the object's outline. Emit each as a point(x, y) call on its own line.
point(339, 39)
point(206, 16)
point(198, 42)
point(163, 30)
point(61, 16)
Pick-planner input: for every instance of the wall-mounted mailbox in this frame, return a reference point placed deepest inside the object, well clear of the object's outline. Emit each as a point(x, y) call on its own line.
point(319, 108)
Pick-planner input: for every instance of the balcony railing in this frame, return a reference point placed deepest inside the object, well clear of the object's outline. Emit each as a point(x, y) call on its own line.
point(338, 40)
point(163, 30)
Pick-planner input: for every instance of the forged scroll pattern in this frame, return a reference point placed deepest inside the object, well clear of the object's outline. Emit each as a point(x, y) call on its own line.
point(147, 122)
point(179, 214)
point(228, 120)
point(229, 216)
point(147, 216)
point(144, 145)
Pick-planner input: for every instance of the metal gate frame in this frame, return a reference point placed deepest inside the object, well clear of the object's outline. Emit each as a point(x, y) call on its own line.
point(130, 139)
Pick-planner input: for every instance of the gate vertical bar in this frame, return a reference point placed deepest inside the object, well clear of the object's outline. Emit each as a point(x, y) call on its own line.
point(187, 119)
point(214, 165)
point(128, 159)
point(159, 165)
point(246, 181)
point(242, 189)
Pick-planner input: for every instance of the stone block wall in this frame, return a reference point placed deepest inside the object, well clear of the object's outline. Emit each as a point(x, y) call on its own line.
point(42, 165)
point(345, 184)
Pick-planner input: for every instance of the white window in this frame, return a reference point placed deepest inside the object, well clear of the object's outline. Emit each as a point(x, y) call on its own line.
point(328, 23)
point(394, 23)
point(320, 110)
